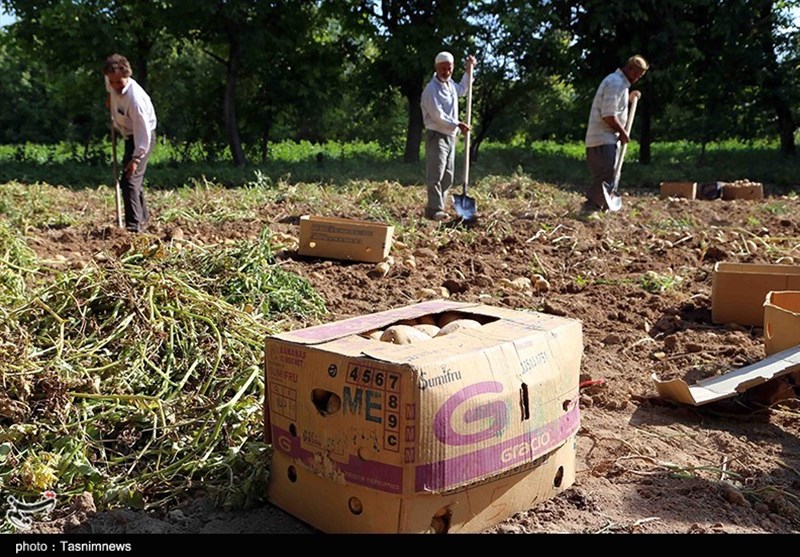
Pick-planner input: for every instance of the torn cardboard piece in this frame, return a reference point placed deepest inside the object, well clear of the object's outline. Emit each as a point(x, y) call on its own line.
point(348, 239)
point(448, 434)
point(731, 383)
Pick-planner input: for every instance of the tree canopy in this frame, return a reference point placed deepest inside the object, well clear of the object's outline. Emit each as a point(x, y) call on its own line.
point(235, 76)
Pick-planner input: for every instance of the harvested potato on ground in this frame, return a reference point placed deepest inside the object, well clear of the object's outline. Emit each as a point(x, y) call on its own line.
point(430, 330)
point(376, 334)
point(403, 334)
point(457, 325)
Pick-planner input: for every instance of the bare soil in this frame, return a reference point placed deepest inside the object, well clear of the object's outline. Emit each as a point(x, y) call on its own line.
point(645, 464)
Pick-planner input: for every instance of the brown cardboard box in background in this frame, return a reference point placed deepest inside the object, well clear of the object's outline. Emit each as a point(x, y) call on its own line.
point(738, 290)
point(750, 191)
point(455, 433)
point(338, 238)
point(781, 321)
point(678, 189)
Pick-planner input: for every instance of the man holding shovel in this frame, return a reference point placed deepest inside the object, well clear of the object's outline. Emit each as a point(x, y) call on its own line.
point(607, 126)
point(440, 116)
point(133, 116)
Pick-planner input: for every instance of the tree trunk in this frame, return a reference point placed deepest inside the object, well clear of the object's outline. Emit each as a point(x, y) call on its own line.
point(143, 48)
point(414, 133)
point(229, 103)
point(786, 127)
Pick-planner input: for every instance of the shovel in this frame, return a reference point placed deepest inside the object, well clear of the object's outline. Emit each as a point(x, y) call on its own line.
point(117, 190)
point(613, 200)
point(464, 205)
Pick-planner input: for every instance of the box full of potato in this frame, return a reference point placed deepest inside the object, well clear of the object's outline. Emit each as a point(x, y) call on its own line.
point(742, 189)
point(435, 417)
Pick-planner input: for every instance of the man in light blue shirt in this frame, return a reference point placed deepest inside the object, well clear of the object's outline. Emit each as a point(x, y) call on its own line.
point(606, 128)
point(440, 116)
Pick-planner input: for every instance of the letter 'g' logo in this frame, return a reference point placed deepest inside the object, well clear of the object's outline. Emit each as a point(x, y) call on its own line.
point(495, 413)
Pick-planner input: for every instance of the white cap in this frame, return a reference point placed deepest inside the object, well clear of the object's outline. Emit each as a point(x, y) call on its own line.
point(444, 56)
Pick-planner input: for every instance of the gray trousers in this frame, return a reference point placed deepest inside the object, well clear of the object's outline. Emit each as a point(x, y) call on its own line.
point(440, 156)
point(136, 213)
point(601, 160)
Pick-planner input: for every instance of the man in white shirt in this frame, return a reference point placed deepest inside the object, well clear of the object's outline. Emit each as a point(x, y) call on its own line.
point(134, 117)
point(439, 105)
point(607, 120)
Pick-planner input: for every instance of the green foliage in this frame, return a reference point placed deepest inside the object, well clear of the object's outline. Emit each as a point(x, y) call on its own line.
point(657, 283)
point(142, 377)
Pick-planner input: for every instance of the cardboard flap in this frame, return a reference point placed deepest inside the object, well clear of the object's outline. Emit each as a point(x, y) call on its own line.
point(731, 383)
point(363, 323)
point(781, 321)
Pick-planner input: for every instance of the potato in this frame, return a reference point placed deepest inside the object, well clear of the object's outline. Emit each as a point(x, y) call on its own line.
point(375, 335)
point(457, 325)
point(430, 330)
point(403, 334)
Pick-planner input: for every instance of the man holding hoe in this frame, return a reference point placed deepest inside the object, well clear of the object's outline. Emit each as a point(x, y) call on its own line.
point(132, 115)
point(440, 116)
point(607, 126)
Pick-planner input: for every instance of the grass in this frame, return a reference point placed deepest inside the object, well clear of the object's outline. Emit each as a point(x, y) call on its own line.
point(334, 164)
point(138, 378)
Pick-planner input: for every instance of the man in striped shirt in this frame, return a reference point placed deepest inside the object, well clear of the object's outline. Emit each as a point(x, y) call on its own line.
point(606, 129)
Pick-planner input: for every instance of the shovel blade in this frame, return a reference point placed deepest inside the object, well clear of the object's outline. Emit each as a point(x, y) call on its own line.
point(613, 200)
point(465, 206)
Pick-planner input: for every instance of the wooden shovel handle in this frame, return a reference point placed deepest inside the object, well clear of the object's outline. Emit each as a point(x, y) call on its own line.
point(469, 123)
point(628, 128)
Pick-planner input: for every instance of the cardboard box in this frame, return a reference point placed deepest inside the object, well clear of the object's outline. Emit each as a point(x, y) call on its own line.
point(337, 238)
point(781, 321)
point(678, 189)
point(746, 191)
point(738, 290)
point(451, 434)
point(731, 383)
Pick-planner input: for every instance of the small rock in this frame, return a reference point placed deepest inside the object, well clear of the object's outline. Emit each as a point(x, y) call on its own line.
point(176, 515)
point(659, 356)
point(734, 496)
point(612, 339)
point(455, 286)
point(694, 347)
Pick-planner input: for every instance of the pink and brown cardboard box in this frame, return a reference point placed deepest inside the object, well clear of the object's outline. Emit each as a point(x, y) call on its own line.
point(451, 434)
